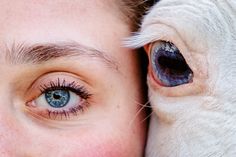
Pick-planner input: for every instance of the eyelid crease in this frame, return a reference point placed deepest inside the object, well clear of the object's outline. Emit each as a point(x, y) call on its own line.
point(43, 52)
point(52, 77)
point(63, 84)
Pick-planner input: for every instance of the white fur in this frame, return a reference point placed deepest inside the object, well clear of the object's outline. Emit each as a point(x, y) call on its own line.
point(196, 119)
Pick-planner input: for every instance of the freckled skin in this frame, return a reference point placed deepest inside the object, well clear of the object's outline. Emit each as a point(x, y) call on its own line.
point(102, 129)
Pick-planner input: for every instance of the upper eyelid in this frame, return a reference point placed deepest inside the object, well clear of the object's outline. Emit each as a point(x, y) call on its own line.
point(148, 35)
point(52, 77)
point(43, 52)
point(157, 32)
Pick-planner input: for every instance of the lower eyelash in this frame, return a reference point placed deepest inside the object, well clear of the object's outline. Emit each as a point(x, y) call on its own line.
point(66, 114)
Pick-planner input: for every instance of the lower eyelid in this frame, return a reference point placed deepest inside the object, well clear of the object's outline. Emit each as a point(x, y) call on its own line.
point(55, 114)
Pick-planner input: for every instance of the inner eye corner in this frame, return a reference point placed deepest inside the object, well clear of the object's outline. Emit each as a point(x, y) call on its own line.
point(148, 47)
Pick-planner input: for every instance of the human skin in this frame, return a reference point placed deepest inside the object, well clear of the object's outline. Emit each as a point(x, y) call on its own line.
point(196, 118)
point(45, 43)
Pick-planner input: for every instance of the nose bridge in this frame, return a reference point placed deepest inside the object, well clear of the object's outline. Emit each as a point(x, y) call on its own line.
point(6, 117)
point(8, 124)
point(7, 140)
point(8, 134)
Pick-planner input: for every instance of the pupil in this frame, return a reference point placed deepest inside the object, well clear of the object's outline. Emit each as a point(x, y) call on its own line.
point(173, 65)
point(57, 98)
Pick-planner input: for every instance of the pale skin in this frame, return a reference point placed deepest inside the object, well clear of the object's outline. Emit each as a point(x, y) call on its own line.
point(85, 38)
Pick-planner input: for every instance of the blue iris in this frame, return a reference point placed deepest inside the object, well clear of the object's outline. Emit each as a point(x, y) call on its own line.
point(57, 98)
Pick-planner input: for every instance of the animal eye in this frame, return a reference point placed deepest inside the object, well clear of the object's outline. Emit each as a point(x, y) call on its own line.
point(169, 67)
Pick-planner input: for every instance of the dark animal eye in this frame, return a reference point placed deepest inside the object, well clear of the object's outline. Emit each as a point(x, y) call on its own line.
point(169, 66)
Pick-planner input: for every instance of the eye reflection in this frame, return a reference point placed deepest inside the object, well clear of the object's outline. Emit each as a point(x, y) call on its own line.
point(169, 66)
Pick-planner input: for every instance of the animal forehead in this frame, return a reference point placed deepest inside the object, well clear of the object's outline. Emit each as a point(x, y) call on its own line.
point(202, 19)
point(202, 5)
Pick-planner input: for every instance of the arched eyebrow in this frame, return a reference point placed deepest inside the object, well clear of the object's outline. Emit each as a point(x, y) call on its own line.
point(43, 52)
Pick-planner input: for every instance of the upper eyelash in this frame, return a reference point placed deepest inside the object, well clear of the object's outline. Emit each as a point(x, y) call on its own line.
point(72, 86)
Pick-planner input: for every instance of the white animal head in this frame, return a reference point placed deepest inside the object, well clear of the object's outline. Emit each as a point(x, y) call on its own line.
point(191, 46)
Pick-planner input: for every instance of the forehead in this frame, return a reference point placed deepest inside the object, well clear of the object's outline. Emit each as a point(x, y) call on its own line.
point(31, 8)
point(39, 21)
point(194, 21)
point(25, 19)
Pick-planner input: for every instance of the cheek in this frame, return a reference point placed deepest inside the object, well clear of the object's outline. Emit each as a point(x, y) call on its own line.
point(87, 145)
point(104, 149)
point(95, 146)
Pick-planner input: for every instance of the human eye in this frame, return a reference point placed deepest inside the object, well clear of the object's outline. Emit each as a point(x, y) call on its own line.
point(58, 97)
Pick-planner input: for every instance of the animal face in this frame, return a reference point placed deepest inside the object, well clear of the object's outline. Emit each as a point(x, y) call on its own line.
point(191, 47)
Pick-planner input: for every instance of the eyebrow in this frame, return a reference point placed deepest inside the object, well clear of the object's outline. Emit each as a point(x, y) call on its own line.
point(39, 53)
